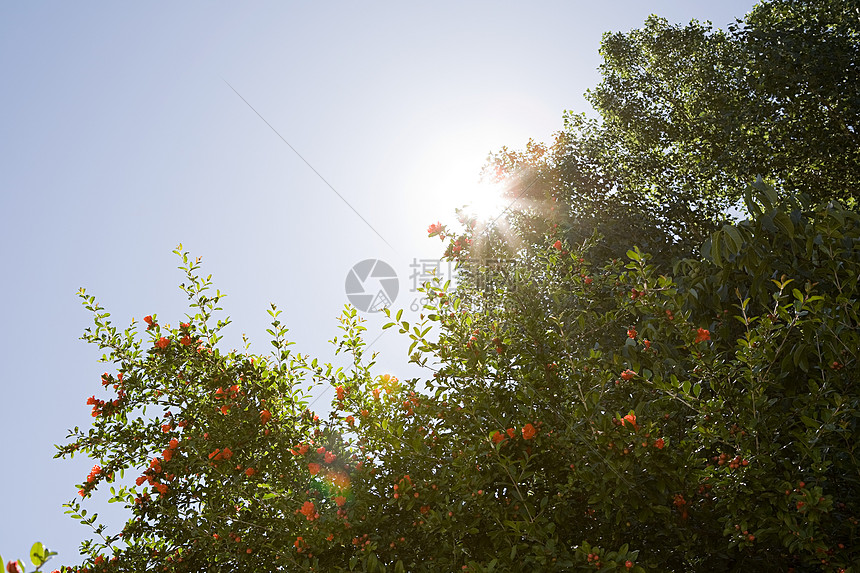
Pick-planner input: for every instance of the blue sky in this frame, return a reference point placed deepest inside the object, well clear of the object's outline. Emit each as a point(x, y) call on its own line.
point(120, 138)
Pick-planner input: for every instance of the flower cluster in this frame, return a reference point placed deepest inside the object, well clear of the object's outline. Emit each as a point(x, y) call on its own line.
point(309, 511)
point(436, 229)
point(702, 335)
point(104, 407)
point(92, 481)
point(218, 454)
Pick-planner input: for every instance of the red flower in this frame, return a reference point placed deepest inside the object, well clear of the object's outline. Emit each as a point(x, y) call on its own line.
point(162, 342)
point(498, 437)
point(349, 420)
point(659, 443)
point(702, 335)
point(435, 229)
point(330, 457)
point(630, 419)
point(309, 511)
point(557, 245)
point(628, 374)
point(511, 432)
point(631, 333)
point(313, 468)
point(340, 500)
point(340, 393)
point(186, 341)
point(250, 471)
point(148, 320)
point(265, 416)
point(529, 432)
point(161, 487)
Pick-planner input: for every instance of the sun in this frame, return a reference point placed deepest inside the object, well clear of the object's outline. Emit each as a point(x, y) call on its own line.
point(486, 201)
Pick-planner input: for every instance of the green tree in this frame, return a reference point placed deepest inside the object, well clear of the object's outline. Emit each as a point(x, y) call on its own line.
point(639, 386)
point(689, 116)
point(575, 414)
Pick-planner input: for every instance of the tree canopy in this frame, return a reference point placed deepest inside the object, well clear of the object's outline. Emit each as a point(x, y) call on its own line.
point(689, 116)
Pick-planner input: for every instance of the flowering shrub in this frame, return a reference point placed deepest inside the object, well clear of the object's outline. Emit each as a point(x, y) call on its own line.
point(723, 440)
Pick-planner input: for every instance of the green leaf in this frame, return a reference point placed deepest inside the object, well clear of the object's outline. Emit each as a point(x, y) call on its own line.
point(37, 554)
point(736, 242)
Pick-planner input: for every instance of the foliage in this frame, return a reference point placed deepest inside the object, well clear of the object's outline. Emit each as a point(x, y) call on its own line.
point(599, 392)
point(688, 116)
point(39, 556)
point(578, 413)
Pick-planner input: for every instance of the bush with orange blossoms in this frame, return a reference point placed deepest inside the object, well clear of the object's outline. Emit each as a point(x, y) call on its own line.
point(740, 454)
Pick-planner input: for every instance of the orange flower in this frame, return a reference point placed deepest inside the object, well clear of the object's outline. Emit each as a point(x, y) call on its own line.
point(630, 419)
point(309, 511)
point(529, 432)
point(313, 468)
point(349, 420)
point(436, 229)
point(340, 500)
point(148, 320)
point(557, 245)
point(330, 457)
point(631, 332)
point(340, 393)
point(498, 437)
point(659, 443)
point(250, 471)
point(162, 342)
point(265, 416)
point(511, 432)
point(702, 335)
point(628, 374)
point(186, 341)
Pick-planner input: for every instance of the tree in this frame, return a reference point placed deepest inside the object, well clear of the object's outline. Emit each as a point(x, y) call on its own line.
point(582, 414)
point(689, 116)
point(672, 392)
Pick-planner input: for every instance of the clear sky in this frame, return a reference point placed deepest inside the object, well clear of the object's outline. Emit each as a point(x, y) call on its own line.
point(120, 138)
